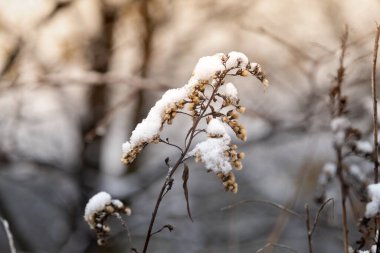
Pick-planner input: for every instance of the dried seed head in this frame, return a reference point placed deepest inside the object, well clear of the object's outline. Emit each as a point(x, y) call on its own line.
point(241, 109)
point(244, 73)
point(97, 211)
point(128, 211)
point(234, 115)
point(229, 182)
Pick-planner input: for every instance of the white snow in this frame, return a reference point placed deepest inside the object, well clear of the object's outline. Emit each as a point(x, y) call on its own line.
point(364, 146)
point(356, 172)
point(150, 126)
point(340, 124)
point(96, 204)
point(329, 169)
point(212, 154)
point(231, 91)
point(207, 67)
point(117, 203)
point(372, 207)
point(236, 57)
point(204, 70)
point(328, 172)
point(339, 138)
point(216, 127)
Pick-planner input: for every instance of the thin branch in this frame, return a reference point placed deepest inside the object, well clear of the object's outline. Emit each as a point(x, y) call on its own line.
point(91, 78)
point(125, 226)
point(167, 226)
point(311, 227)
point(185, 113)
point(277, 245)
point(9, 235)
point(98, 130)
point(263, 202)
point(198, 131)
point(375, 128)
point(337, 110)
point(374, 99)
point(319, 213)
point(309, 234)
point(171, 144)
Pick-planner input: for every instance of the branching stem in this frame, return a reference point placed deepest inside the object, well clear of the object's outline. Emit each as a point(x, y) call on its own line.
point(190, 136)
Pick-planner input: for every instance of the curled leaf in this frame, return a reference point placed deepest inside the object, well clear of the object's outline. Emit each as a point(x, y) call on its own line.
point(185, 178)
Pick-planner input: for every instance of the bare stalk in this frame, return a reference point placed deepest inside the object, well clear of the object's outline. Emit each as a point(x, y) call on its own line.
point(374, 99)
point(338, 110)
point(168, 180)
point(125, 226)
point(309, 233)
point(311, 227)
point(284, 208)
point(9, 236)
point(375, 132)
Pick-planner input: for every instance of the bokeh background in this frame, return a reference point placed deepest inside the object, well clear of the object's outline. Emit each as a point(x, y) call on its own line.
point(77, 76)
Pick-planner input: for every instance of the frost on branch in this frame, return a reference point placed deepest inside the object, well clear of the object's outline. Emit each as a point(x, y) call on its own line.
point(202, 99)
point(98, 209)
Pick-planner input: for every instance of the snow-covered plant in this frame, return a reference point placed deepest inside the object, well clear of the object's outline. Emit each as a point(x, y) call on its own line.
point(206, 98)
point(98, 209)
point(351, 168)
point(202, 99)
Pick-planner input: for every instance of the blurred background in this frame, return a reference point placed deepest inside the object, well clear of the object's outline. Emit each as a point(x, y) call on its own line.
point(77, 76)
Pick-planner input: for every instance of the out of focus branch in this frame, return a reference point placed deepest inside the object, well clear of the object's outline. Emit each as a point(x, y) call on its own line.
point(91, 78)
point(10, 61)
point(9, 235)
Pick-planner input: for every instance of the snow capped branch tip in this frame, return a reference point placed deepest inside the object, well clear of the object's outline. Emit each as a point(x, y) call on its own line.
point(372, 208)
point(98, 209)
point(209, 71)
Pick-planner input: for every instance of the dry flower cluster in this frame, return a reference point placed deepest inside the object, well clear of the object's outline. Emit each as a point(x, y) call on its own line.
point(205, 98)
point(98, 209)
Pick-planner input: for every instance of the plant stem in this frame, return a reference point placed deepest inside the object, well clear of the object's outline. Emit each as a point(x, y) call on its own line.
point(338, 111)
point(169, 176)
point(374, 99)
point(375, 130)
point(309, 233)
point(344, 192)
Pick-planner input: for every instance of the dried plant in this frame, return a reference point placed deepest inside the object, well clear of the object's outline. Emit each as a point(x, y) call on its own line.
point(206, 98)
point(98, 209)
point(351, 148)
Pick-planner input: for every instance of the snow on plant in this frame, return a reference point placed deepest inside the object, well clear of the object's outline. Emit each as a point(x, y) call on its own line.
point(98, 209)
point(205, 98)
point(198, 99)
point(352, 156)
point(372, 207)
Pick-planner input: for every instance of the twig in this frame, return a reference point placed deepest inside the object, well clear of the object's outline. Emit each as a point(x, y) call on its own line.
point(9, 235)
point(171, 144)
point(319, 212)
point(168, 226)
point(338, 109)
point(264, 202)
point(375, 130)
point(283, 246)
point(311, 228)
point(125, 225)
point(309, 234)
point(374, 99)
